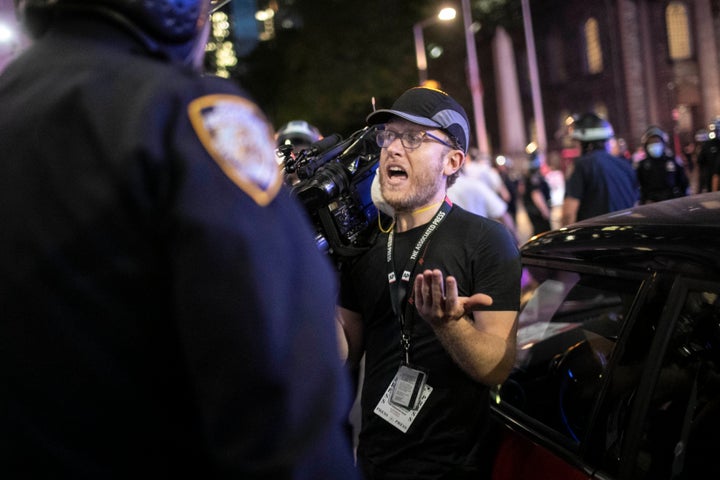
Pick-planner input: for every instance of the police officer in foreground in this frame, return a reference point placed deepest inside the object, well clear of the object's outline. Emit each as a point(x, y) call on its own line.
point(660, 175)
point(157, 319)
point(600, 182)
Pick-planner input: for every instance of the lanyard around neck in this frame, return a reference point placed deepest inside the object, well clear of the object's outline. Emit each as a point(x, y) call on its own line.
point(398, 290)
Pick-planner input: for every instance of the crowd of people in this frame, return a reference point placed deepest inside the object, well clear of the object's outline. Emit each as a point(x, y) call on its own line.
point(166, 311)
point(606, 178)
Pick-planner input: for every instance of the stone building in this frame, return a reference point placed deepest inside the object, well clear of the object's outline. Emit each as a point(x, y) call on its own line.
point(635, 62)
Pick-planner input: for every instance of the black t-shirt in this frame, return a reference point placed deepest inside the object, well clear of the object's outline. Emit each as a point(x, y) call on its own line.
point(709, 162)
point(536, 182)
point(449, 430)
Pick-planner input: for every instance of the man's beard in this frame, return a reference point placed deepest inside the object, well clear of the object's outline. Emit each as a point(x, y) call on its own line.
point(423, 189)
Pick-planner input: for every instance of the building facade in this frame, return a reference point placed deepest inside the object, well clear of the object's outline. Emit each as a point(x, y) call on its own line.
point(635, 62)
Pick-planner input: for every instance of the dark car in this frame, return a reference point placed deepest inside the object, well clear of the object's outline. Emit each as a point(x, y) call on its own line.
point(618, 367)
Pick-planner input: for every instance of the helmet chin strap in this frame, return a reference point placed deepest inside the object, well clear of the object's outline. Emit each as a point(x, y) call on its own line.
point(196, 54)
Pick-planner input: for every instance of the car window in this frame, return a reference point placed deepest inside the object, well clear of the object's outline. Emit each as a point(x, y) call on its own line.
point(568, 327)
point(681, 430)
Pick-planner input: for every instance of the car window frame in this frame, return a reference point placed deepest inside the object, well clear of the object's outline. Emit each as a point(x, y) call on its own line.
point(577, 454)
point(679, 289)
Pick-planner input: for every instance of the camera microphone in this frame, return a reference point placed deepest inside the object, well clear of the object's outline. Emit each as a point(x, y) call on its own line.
point(319, 154)
point(326, 143)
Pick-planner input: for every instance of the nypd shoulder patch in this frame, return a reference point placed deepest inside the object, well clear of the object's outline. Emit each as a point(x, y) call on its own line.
point(233, 131)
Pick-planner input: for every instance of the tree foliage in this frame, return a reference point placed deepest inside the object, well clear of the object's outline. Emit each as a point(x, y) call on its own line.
point(346, 53)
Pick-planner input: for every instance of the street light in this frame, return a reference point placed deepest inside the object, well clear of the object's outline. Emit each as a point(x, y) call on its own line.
point(444, 15)
point(6, 34)
point(473, 69)
point(475, 84)
point(534, 79)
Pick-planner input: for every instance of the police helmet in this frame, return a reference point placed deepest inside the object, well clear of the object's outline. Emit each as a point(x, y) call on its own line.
point(168, 22)
point(298, 132)
point(654, 131)
point(714, 124)
point(591, 128)
point(713, 130)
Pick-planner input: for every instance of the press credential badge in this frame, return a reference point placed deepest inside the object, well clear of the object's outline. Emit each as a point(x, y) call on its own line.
point(404, 398)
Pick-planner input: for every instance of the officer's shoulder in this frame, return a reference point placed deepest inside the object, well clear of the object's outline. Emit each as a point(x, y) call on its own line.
point(194, 84)
point(237, 135)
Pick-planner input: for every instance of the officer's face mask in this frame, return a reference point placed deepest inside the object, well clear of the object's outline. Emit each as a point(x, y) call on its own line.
point(656, 149)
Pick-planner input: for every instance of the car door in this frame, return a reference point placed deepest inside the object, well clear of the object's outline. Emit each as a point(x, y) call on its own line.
point(617, 378)
point(673, 428)
point(569, 326)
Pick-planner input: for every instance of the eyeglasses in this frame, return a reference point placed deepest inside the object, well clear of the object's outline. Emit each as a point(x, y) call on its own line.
point(409, 140)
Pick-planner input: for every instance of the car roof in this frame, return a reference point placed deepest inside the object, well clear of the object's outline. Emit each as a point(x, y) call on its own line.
point(680, 235)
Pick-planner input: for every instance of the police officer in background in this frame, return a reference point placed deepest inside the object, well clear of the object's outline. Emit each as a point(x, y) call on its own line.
point(157, 318)
point(600, 182)
point(536, 196)
point(298, 133)
point(291, 139)
point(659, 174)
point(709, 159)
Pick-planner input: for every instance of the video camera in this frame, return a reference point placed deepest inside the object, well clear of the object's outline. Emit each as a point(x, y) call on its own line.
point(332, 179)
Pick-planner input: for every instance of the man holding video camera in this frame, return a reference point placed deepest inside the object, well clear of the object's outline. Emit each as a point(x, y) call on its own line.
point(432, 305)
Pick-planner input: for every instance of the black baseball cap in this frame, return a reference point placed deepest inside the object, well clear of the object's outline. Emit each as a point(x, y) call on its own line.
point(428, 107)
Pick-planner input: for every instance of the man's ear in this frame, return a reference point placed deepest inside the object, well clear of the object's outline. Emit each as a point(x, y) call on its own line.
point(454, 161)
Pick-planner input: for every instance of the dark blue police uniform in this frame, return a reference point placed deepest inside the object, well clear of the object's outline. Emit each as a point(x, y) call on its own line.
point(661, 179)
point(603, 183)
point(164, 311)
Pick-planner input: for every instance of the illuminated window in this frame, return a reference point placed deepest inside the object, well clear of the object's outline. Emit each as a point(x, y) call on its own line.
point(678, 31)
point(593, 49)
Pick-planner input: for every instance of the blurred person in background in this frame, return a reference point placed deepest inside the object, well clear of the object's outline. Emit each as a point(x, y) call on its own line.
point(475, 196)
point(660, 175)
point(482, 169)
point(600, 182)
point(689, 154)
point(715, 178)
point(291, 139)
point(536, 196)
point(555, 178)
point(511, 181)
point(619, 148)
point(299, 134)
point(165, 312)
point(709, 157)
